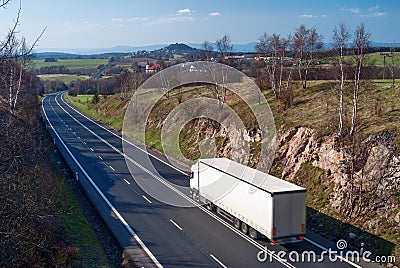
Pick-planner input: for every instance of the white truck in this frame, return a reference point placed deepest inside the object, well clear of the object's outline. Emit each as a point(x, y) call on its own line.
point(255, 202)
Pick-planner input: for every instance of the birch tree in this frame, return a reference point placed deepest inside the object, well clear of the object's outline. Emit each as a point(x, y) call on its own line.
point(299, 45)
point(361, 40)
point(269, 45)
point(341, 36)
point(306, 42)
point(275, 47)
point(14, 55)
point(284, 46)
point(313, 45)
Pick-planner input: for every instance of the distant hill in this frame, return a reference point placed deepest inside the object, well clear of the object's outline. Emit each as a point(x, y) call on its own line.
point(117, 50)
point(56, 55)
point(94, 51)
point(60, 55)
point(177, 48)
point(249, 47)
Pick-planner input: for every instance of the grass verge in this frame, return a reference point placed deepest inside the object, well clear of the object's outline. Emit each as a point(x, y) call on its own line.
point(81, 236)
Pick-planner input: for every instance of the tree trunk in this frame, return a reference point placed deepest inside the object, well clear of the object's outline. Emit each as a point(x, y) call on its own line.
point(18, 89)
point(11, 88)
point(355, 97)
point(341, 88)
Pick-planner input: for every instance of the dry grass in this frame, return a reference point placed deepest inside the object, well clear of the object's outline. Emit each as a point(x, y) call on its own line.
point(318, 107)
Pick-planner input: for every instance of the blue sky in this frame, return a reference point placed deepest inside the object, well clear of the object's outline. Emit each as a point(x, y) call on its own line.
point(102, 24)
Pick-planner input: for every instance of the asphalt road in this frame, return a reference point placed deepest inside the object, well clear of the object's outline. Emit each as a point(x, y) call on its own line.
point(171, 236)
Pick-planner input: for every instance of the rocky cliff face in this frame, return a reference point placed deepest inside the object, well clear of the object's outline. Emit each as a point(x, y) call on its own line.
point(215, 141)
point(370, 198)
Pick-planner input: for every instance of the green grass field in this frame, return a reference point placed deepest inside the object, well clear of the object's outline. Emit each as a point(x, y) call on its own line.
point(71, 63)
point(66, 78)
point(377, 58)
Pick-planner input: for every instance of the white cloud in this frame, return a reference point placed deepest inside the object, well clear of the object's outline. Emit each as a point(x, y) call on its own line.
point(213, 14)
point(353, 10)
point(378, 14)
point(373, 8)
point(139, 19)
point(374, 15)
point(357, 12)
point(307, 16)
point(184, 11)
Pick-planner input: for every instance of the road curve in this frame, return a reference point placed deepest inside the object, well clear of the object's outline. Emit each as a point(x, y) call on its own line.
point(159, 234)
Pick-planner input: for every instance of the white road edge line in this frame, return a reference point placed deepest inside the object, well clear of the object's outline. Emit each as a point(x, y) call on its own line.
point(148, 200)
point(166, 183)
point(112, 168)
point(91, 149)
point(100, 157)
point(177, 226)
point(155, 157)
point(127, 226)
point(127, 181)
point(325, 249)
point(218, 261)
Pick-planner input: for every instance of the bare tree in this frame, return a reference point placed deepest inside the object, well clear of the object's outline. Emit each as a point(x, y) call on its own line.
point(284, 46)
point(275, 47)
point(361, 40)
point(341, 36)
point(270, 45)
point(224, 46)
point(299, 45)
point(207, 48)
point(128, 82)
point(3, 3)
point(306, 43)
point(313, 45)
point(14, 56)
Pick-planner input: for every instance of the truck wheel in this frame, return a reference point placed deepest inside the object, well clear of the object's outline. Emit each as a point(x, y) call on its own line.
point(253, 233)
point(245, 228)
point(210, 206)
point(236, 223)
point(195, 197)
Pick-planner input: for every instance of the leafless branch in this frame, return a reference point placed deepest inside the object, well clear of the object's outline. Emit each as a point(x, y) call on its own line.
point(4, 3)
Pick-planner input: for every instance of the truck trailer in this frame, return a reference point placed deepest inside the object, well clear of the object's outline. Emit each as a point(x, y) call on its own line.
point(255, 202)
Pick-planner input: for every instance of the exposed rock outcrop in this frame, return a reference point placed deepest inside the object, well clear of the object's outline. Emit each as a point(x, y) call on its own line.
point(376, 179)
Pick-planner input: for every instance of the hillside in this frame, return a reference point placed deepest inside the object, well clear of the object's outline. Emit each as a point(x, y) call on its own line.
point(42, 224)
point(308, 152)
